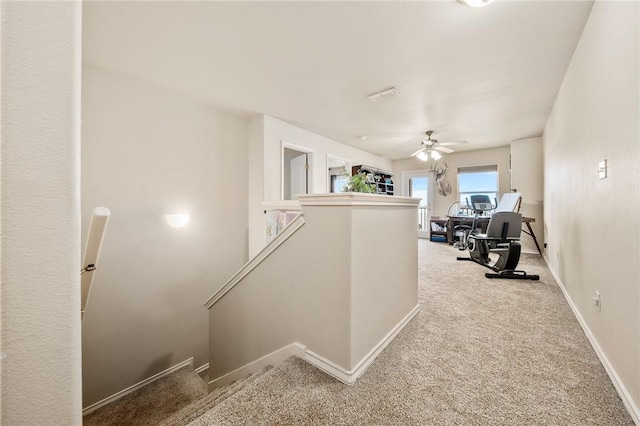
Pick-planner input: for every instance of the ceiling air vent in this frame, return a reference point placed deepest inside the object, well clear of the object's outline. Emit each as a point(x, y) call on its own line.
point(384, 95)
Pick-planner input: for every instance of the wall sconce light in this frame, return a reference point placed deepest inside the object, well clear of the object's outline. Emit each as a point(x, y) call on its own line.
point(177, 220)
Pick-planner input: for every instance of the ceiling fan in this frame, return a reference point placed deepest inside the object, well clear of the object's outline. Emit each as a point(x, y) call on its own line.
point(430, 147)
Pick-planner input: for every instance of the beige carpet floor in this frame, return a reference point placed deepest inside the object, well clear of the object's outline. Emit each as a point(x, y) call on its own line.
point(480, 352)
point(153, 403)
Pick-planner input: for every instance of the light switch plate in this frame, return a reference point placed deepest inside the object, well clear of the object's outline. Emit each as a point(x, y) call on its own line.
point(602, 169)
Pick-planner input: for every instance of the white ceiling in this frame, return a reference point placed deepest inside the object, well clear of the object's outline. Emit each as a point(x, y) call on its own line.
point(488, 75)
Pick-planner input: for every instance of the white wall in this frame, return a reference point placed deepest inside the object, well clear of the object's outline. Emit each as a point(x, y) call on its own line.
point(323, 288)
point(41, 379)
point(267, 136)
point(441, 204)
point(147, 151)
point(527, 176)
point(592, 225)
point(255, 172)
point(277, 131)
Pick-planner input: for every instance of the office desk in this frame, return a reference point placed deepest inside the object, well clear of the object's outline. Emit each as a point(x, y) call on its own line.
point(527, 221)
point(454, 221)
point(483, 222)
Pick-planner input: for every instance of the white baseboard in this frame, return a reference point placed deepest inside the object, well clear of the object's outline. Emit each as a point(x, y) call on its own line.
point(274, 358)
point(202, 368)
point(145, 382)
point(530, 251)
point(348, 377)
point(627, 400)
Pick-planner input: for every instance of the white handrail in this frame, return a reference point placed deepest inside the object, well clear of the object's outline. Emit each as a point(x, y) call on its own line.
point(284, 235)
point(95, 236)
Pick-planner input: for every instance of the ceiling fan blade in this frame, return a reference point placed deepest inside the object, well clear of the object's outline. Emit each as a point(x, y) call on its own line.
point(417, 152)
point(454, 143)
point(444, 149)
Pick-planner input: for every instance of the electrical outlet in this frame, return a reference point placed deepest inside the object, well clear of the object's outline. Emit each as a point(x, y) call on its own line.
point(596, 301)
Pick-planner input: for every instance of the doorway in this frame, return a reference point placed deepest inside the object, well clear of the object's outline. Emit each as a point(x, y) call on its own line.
point(296, 167)
point(337, 173)
point(419, 184)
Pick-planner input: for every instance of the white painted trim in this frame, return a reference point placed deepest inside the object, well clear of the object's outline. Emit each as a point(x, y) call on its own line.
point(300, 350)
point(349, 377)
point(347, 168)
point(371, 356)
point(405, 177)
point(627, 400)
point(145, 382)
point(310, 154)
point(202, 368)
point(274, 358)
point(287, 232)
point(356, 199)
point(498, 194)
point(284, 144)
point(328, 367)
point(530, 252)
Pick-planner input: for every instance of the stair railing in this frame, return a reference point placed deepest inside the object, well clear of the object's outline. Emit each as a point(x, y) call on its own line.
point(95, 236)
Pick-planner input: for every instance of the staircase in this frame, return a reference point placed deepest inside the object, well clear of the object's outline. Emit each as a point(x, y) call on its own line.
point(208, 402)
point(175, 400)
point(153, 403)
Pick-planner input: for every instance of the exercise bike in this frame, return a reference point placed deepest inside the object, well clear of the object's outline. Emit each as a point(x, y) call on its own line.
point(479, 205)
point(502, 238)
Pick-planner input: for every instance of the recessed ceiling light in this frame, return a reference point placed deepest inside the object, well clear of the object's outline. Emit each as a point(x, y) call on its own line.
point(476, 3)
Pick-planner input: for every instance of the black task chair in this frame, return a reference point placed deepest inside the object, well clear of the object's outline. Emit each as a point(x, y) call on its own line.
point(479, 205)
point(502, 238)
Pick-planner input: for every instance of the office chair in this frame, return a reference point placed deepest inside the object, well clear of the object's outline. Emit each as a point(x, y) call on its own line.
point(502, 238)
point(479, 204)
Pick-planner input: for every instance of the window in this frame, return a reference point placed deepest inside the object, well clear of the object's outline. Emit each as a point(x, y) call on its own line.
point(481, 180)
point(338, 182)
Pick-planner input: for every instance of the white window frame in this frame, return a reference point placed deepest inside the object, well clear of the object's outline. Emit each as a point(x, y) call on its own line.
point(484, 168)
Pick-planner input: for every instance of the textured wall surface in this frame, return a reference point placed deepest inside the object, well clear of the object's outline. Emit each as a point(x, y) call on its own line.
point(527, 176)
point(148, 151)
point(591, 224)
point(41, 382)
point(268, 135)
point(331, 286)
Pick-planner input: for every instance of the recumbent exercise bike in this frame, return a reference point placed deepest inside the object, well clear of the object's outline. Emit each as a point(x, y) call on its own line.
point(502, 238)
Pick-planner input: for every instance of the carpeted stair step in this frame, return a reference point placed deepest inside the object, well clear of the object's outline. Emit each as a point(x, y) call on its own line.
point(272, 384)
point(152, 403)
point(200, 406)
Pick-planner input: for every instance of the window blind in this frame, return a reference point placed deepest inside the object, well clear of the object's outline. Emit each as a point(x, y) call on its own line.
point(478, 169)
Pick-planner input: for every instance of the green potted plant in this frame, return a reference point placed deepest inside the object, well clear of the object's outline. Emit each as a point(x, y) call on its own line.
point(359, 183)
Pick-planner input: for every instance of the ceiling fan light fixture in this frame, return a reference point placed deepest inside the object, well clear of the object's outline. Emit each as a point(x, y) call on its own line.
point(476, 3)
point(423, 156)
point(435, 155)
